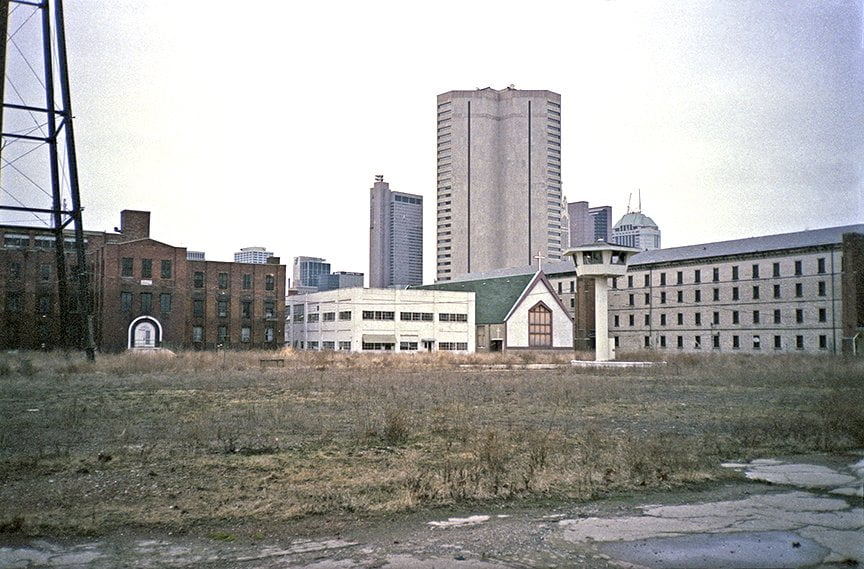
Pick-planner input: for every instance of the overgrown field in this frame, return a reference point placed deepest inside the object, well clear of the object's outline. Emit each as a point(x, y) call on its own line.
point(213, 440)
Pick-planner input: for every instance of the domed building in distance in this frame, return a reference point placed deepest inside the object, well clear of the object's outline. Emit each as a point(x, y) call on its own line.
point(636, 229)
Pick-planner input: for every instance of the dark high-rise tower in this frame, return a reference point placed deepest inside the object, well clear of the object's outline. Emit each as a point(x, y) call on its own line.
point(395, 237)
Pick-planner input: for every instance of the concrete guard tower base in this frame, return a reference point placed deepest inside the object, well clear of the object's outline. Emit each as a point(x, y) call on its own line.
point(601, 261)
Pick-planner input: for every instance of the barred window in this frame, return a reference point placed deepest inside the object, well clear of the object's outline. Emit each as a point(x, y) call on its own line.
point(445, 317)
point(540, 326)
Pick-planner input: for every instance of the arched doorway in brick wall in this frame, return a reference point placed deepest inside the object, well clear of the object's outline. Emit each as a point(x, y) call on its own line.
point(145, 332)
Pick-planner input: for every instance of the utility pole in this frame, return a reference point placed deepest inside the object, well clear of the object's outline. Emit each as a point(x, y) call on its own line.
point(36, 117)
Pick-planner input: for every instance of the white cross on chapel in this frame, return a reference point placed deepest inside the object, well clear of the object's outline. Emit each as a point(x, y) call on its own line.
point(539, 256)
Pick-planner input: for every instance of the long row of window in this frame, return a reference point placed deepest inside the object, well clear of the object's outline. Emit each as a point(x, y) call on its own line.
point(755, 271)
point(127, 268)
point(715, 340)
point(223, 337)
point(716, 317)
point(223, 281)
point(734, 293)
point(378, 315)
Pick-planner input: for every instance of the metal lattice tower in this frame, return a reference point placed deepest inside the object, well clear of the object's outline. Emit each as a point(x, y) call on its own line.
point(38, 167)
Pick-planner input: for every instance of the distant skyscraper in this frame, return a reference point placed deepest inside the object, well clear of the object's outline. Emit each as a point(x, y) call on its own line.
point(307, 270)
point(340, 279)
point(499, 179)
point(589, 224)
point(395, 237)
point(255, 255)
point(636, 229)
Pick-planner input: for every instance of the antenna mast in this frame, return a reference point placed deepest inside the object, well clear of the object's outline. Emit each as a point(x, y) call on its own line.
point(34, 120)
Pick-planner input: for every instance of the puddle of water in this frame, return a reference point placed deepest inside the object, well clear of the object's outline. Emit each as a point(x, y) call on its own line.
point(458, 522)
point(758, 550)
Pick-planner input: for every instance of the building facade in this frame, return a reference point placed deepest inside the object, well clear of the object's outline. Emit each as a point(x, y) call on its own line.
point(589, 224)
point(797, 292)
point(307, 270)
point(395, 237)
point(255, 255)
point(381, 320)
point(636, 229)
point(499, 200)
point(145, 294)
point(340, 279)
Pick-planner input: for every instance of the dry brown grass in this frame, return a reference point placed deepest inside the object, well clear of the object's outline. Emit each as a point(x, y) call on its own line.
point(211, 439)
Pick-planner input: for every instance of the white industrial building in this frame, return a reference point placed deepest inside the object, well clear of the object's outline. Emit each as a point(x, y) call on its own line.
point(376, 320)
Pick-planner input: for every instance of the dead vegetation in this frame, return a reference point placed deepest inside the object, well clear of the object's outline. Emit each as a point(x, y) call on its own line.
point(213, 440)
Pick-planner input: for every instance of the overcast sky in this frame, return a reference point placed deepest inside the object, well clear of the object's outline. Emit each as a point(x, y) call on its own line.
point(264, 123)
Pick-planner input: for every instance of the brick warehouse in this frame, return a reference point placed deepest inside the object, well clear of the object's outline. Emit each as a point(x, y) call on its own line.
point(145, 293)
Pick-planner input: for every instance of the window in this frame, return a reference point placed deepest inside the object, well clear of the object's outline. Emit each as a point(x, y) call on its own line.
point(13, 241)
point(820, 265)
point(631, 319)
point(798, 271)
point(198, 307)
point(662, 279)
point(444, 317)
point(715, 318)
point(45, 271)
point(662, 341)
point(736, 343)
point(823, 342)
point(775, 269)
point(269, 282)
point(697, 342)
point(776, 291)
point(421, 317)
point(755, 271)
point(697, 319)
point(198, 279)
point(630, 281)
point(328, 345)
point(647, 280)
point(43, 304)
point(329, 317)
point(412, 346)
point(757, 342)
point(799, 342)
point(777, 317)
point(345, 345)
point(735, 272)
point(716, 294)
point(697, 276)
point(378, 315)
point(269, 334)
point(663, 319)
point(560, 288)
point(756, 292)
point(540, 326)
point(823, 315)
point(345, 315)
point(14, 270)
point(735, 294)
point(821, 291)
point(247, 281)
point(270, 310)
point(222, 308)
point(246, 334)
point(680, 318)
point(647, 319)
point(572, 286)
point(679, 277)
point(146, 268)
point(715, 274)
point(222, 335)
point(662, 297)
point(778, 342)
point(715, 341)
point(387, 346)
point(735, 317)
point(647, 341)
point(125, 301)
point(647, 298)
point(246, 309)
point(755, 317)
point(223, 280)
point(146, 302)
point(631, 299)
point(799, 316)
point(197, 334)
point(165, 302)
point(126, 267)
point(616, 321)
point(680, 342)
point(313, 317)
point(453, 346)
point(799, 290)
point(697, 295)
point(165, 268)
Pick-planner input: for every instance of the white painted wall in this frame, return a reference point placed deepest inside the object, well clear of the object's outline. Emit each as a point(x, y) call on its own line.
point(517, 324)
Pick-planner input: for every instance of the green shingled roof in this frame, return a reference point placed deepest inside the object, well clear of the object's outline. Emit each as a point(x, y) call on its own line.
point(494, 297)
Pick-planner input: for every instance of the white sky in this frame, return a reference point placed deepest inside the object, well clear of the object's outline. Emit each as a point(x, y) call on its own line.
point(263, 123)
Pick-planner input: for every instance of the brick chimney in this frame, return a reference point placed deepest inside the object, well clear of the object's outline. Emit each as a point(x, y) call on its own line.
point(134, 224)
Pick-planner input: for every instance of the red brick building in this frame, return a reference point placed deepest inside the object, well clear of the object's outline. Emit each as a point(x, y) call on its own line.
point(145, 293)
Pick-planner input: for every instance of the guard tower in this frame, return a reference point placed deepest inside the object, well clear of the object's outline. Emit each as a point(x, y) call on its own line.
point(601, 261)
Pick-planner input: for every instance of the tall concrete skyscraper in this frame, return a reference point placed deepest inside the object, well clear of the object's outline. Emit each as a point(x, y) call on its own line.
point(395, 237)
point(589, 224)
point(499, 180)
